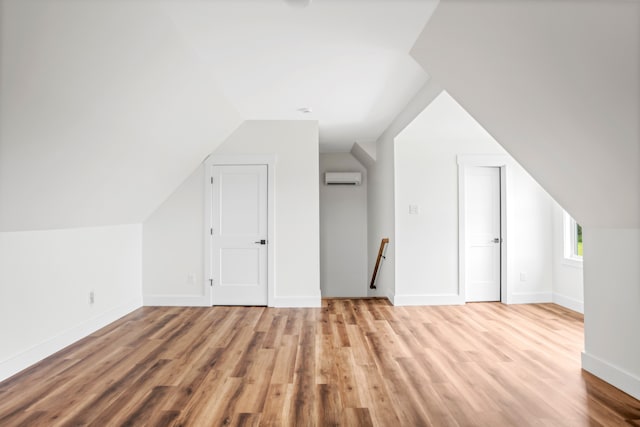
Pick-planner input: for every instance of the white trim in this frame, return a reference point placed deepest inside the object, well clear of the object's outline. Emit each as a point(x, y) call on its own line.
point(46, 348)
point(487, 160)
point(298, 302)
point(242, 159)
point(569, 241)
point(391, 297)
point(406, 300)
point(570, 303)
point(573, 262)
point(176, 301)
point(617, 377)
point(530, 298)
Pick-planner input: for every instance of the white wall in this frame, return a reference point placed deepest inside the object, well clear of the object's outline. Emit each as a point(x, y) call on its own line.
point(173, 262)
point(380, 215)
point(176, 223)
point(381, 190)
point(427, 243)
point(612, 306)
point(555, 82)
point(530, 239)
point(568, 286)
point(45, 280)
point(343, 230)
point(297, 245)
point(99, 126)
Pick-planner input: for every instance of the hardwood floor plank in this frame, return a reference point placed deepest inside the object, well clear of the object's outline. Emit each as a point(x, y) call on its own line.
point(425, 395)
point(274, 413)
point(357, 417)
point(329, 405)
point(248, 354)
point(353, 362)
point(145, 410)
point(375, 397)
point(346, 378)
point(254, 394)
point(359, 348)
point(303, 409)
point(275, 332)
point(125, 404)
point(294, 322)
point(326, 370)
point(284, 369)
point(200, 399)
point(193, 379)
point(340, 331)
point(246, 419)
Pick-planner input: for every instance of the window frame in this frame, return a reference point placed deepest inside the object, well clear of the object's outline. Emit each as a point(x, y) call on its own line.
point(571, 256)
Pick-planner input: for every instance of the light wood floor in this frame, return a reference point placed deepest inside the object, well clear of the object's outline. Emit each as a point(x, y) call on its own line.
point(353, 362)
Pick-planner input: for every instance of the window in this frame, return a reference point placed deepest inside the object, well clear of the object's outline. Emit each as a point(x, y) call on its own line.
point(578, 239)
point(572, 239)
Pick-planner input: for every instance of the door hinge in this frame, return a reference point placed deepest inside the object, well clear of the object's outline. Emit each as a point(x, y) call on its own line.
point(211, 230)
point(212, 180)
point(210, 282)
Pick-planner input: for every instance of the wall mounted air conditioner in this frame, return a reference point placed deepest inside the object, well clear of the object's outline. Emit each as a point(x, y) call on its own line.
point(342, 178)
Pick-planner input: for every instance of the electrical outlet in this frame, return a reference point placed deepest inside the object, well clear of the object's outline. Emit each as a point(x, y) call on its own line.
point(523, 277)
point(191, 279)
point(414, 209)
point(92, 297)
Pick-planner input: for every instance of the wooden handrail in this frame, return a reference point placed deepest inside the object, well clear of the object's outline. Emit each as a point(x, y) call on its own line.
point(383, 242)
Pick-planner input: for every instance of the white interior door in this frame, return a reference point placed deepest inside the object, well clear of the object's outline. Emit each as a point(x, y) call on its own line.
point(239, 235)
point(483, 237)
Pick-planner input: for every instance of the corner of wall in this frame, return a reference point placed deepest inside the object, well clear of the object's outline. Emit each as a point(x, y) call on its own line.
point(40, 351)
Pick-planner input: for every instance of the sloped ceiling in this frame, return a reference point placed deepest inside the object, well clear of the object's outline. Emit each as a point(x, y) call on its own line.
point(107, 106)
point(557, 84)
point(348, 60)
point(104, 112)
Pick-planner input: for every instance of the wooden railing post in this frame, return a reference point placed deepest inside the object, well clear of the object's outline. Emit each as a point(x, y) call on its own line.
point(383, 242)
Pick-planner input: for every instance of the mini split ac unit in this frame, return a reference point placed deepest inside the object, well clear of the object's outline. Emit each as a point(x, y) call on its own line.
point(342, 178)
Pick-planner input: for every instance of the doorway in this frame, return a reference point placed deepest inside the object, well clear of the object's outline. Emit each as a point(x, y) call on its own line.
point(239, 235)
point(483, 233)
point(343, 230)
point(482, 226)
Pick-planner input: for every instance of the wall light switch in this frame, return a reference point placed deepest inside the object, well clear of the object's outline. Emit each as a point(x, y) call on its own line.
point(191, 278)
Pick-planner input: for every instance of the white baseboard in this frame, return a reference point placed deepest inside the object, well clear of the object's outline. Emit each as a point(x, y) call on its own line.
point(48, 347)
point(298, 302)
point(612, 374)
point(530, 298)
point(452, 299)
point(570, 303)
point(176, 301)
point(202, 301)
point(392, 299)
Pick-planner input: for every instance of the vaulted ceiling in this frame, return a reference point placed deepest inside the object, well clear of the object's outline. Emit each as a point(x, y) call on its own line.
point(347, 60)
point(106, 106)
point(557, 84)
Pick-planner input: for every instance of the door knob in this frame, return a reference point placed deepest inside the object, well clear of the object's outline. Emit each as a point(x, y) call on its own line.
point(261, 242)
